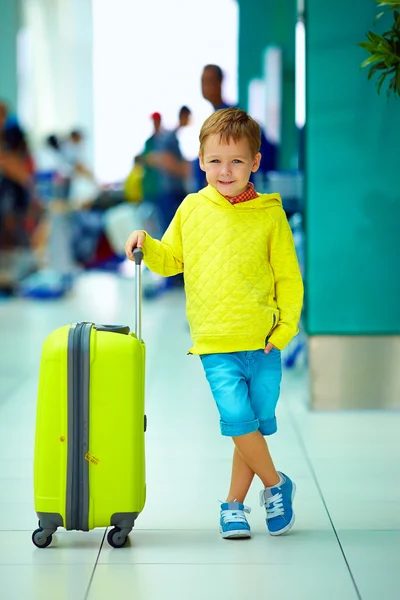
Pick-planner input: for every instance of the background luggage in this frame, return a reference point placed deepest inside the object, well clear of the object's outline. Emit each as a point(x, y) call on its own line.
point(121, 220)
point(89, 448)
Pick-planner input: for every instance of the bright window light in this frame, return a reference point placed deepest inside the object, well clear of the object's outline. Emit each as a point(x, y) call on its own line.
point(300, 74)
point(149, 57)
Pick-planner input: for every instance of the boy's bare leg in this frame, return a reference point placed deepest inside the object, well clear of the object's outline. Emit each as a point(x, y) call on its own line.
point(242, 476)
point(254, 450)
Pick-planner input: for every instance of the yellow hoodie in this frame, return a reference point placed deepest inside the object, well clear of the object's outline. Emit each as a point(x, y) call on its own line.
point(242, 279)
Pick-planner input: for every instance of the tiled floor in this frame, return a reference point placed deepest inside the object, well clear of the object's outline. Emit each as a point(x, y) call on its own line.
point(346, 542)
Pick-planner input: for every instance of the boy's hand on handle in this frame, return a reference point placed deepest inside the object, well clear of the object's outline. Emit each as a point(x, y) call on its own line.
point(135, 240)
point(269, 347)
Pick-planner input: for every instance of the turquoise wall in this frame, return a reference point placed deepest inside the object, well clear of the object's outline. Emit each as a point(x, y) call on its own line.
point(8, 50)
point(353, 189)
point(264, 23)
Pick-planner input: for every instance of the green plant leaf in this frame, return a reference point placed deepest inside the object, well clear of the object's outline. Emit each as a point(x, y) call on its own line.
point(380, 82)
point(392, 4)
point(370, 60)
point(384, 50)
point(375, 68)
point(378, 16)
point(384, 46)
point(369, 46)
point(374, 37)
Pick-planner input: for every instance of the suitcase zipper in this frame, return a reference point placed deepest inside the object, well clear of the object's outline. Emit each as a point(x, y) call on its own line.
point(77, 508)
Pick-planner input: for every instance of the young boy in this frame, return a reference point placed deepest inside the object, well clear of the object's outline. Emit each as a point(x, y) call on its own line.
point(244, 296)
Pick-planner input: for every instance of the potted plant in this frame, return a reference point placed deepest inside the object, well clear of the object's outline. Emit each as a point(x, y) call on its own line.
point(385, 50)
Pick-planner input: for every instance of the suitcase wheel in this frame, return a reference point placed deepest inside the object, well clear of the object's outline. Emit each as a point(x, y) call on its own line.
point(40, 540)
point(116, 539)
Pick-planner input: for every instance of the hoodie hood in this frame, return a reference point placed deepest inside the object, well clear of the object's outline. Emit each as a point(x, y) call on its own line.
point(263, 200)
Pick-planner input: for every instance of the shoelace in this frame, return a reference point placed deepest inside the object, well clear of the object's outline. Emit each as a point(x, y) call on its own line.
point(273, 505)
point(235, 516)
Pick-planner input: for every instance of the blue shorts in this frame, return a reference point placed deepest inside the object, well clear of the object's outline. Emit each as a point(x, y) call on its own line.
point(246, 387)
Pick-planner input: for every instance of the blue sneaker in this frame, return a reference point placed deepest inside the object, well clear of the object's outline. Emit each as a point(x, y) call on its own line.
point(277, 502)
point(233, 522)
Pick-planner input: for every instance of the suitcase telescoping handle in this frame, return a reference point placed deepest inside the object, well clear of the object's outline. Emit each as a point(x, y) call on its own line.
point(138, 256)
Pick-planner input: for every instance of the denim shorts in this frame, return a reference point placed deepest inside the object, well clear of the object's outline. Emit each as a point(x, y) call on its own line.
point(246, 387)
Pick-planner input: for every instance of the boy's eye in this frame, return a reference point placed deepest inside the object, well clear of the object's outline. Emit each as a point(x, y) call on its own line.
point(236, 160)
point(215, 160)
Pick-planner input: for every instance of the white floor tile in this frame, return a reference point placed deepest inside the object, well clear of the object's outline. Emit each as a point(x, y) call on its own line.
point(18, 515)
point(67, 547)
point(8, 383)
point(202, 546)
point(213, 582)
point(16, 468)
point(374, 558)
point(44, 582)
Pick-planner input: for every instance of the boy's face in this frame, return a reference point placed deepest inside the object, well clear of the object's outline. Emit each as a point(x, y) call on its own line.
point(228, 166)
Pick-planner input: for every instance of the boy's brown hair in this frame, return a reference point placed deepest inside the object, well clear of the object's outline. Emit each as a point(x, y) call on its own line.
point(232, 123)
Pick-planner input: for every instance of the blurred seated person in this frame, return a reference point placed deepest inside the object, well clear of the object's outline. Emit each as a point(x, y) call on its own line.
point(16, 172)
point(73, 151)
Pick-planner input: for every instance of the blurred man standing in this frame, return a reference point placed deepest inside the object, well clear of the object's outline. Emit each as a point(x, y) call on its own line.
point(151, 176)
point(174, 169)
point(211, 87)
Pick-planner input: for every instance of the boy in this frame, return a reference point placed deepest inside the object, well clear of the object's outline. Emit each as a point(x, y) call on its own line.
point(244, 297)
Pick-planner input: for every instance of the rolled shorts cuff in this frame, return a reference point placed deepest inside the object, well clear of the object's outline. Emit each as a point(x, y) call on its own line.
point(235, 429)
point(268, 427)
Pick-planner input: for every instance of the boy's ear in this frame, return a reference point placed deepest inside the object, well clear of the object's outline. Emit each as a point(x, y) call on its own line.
point(202, 167)
point(256, 162)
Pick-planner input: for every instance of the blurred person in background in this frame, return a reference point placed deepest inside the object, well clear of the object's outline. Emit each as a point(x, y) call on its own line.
point(175, 170)
point(151, 175)
point(212, 80)
point(133, 185)
point(16, 173)
point(164, 185)
point(73, 151)
point(50, 161)
point(211, 86)
point(83, 190)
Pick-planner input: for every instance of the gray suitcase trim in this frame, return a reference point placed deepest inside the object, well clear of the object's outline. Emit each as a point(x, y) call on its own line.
point(124, 520)
point(77, 503)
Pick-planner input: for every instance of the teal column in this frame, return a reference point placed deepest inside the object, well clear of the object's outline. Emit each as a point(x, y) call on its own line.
point(9, 22)
point(264, 23)
point(352, 173)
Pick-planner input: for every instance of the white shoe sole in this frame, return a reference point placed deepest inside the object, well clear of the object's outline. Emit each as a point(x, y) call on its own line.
point(289, 525)
point(235, 534)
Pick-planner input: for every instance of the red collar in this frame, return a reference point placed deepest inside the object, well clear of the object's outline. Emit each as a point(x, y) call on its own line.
point(248, 194)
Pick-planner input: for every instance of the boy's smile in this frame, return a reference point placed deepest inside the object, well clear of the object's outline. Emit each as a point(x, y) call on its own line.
point(228, 165)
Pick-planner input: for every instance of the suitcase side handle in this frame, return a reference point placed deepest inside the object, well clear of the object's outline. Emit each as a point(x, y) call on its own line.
point(138, 256)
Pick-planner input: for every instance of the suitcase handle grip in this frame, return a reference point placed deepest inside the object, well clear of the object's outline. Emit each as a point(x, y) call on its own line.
point(138, 256)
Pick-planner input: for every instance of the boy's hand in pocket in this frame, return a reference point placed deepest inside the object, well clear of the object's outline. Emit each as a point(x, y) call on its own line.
point(269, 347)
